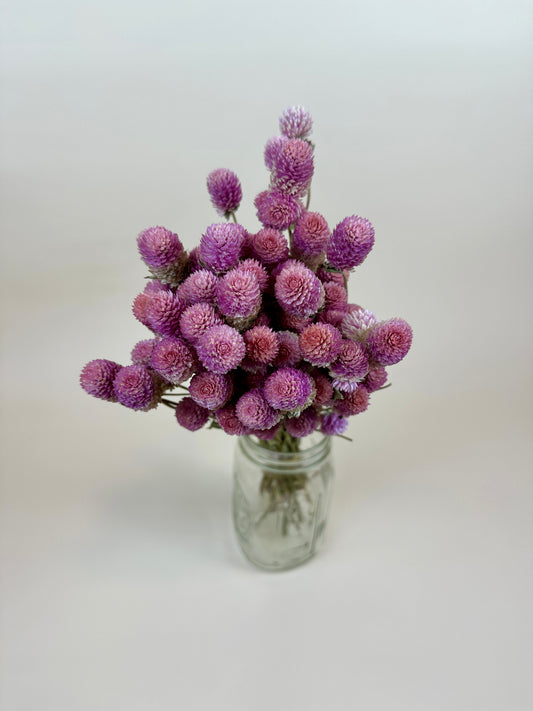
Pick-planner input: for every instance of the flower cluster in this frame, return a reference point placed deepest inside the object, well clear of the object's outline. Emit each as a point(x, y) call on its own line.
point(254, 331)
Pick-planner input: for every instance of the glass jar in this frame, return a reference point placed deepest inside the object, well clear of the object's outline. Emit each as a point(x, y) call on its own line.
point(281, 499)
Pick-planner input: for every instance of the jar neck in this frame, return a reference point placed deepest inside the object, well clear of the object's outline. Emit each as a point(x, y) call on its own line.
point(313, 450)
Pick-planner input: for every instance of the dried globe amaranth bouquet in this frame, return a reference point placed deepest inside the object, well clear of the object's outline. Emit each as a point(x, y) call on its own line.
point(255, 328)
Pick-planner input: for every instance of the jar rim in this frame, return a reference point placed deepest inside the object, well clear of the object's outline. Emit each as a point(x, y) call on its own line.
point(285, 461)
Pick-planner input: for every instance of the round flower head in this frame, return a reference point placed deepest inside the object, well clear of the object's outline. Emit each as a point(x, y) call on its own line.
point(353, 403)
point(199, 286)
point(295, 122)
point(259, 272)
point(292, 168)
point(389, 341)
point(140, 308)
point(142, 351)
point(326, 276)
point(303, 425)
point(238, 295)
point(350, 243)
point(350, 367)
point(320, 343)
point(268, 434)
point(173, 360)
point(97, 378)
point(229, 422)
point(163, 253)
point(295, 323)
point(336, 296)
point(324, 388)
point(196, 319)
point(194, 263)
point(277, 210)
point(211, 390)
point(190, 415)
point(298, 290)
point(375, 379)
point(289, 389)
point(154, 285)
point(163, 311)
point(270, 246)
point(333, 424)
point(310, 239)
point(332, 316)
point(357, 322)
point(255, 412)
point(289, 349)
point(221, 349)
point(272, 150)
point(220, 247)
point(225, 190)
point(262, 344)
point(135, 387)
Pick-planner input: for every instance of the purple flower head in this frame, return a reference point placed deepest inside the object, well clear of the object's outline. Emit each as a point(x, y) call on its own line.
point(255, 412)
point(238, 295)
point(163, 311)
point(357, 322)
point(350, 243)
point(272, 150)
point(389, 341)
point(140, 308)
point(295, 323)
point(289, 349)
point(142, 351)
point(262, 344)
point(259, 272)
point(270, 246)
point(173, 360)
point(326, 276)
point(135, 387)
point(97, 378)
point(228, 420)
point(268, 434)
point(255, 378)
point(220, 247)
point(154, 285)
point(196, 319)
point(292, 168)
point(303, 425)
point(298, 290)
point(320, 343)
point(336, 296)
point(190, 415)
point(310, 239)
point(225, 190)
point(199, 286)
point(324, 388)
point(375, 379)
point(162, 252)
point(211, 390)
point(274, 209)
point(221, 349)
point(333, 424)
point(350, 367)
point(353, 403)
point(289, 389)
point(295, 122)
point(194, 263)
point(332, 316)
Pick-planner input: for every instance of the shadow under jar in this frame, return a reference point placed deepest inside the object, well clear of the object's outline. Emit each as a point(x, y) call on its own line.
point(281, 499)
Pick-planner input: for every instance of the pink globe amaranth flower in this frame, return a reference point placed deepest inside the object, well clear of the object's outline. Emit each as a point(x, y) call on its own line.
point(221, 245)
point(389, 341)
point(289, 389)
point(333, 424)
point(353, 403)
point(163, 310)
point(255, 412)
point(292, 167)
point(268, 434)
point(135, 387)
point(194, 263)
point(229, 422)
point(289, 349)
point(262, 344)
point(327, 275)
point(259, 272)
point(221, 349)
point(304, 424)
point(272, 149)
point(357, 323)
point(200, 286)
point(375, 379)
point(173, 360)
point(270, 246)
point(295, 323)
point(350, 367)
point(142, 351)
point(277, 210)
point(225, 190)
point(211, 390)
point(140, 308)
point(336, 296)
point(295, 122)
point(320, 343)
point(196, 320)
point(154, 285)
point(324, 389)
point(238, 294)
point(298, 290)
point(350, 243)
point(162, 252)
point(310, 239)
point(97, 378)
point(334, 317)
point(255, 378)
point(191, 415)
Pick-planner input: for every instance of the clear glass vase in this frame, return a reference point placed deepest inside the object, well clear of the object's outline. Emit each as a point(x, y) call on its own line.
point(281, 499)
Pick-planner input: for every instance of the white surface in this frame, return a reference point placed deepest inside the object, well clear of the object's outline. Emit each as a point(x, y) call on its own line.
point(122, 586)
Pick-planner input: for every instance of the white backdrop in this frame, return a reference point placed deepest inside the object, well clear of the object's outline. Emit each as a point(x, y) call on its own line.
point(122, 586)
